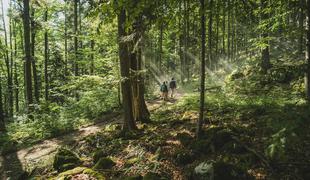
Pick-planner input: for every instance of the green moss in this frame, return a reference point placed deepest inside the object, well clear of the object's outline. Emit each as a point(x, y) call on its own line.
point(98, 154)
point(65, 160)
point(80, 170)
point(94, 174)
point(104, 163)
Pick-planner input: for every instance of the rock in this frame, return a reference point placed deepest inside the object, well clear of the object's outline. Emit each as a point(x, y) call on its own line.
point(104, 163)
point(65, 160)
point(79, 171)
point(219, 171)
point(98, 154)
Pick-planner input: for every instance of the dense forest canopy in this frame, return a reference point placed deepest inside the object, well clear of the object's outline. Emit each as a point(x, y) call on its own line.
point(203, 89)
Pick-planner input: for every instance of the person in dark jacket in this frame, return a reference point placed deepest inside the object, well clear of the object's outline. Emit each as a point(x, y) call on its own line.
point(164, 91)
point(173, 86)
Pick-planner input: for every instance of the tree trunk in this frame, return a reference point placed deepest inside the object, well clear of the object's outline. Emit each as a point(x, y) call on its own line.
point(301, 25)
point(66, 39)
point(307, 78)
point(228, 31)
point(265, 64)
point(8, 68)
point(28, 78)
point(129, 123)
point(2, 122)
point(210, 34)
point(76, 65)
point(46, 57)
point(34, 67)
point(202, 71)
point(92, 63)
point(15, 70)
point(224, 25)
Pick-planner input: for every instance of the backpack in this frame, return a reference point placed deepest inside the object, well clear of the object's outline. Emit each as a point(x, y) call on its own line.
point(163, 88)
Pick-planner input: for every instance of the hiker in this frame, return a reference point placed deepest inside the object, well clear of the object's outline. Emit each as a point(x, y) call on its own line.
point(173, 86)
point(164, 91)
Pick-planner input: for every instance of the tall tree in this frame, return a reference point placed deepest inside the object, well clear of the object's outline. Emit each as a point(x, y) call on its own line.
point(46, 56)
point(76, 63)
point(33, 57)
point(203, 68)
point(129, 123)
point(28, 78)
point(2, 122)
point(265, 64)
point(8, 67)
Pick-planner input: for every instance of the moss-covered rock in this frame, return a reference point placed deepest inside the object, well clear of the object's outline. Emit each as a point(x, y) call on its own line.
point(104, 163)
point(98, 154)
point(65, 160)
point(78, 171)
point(219, 171)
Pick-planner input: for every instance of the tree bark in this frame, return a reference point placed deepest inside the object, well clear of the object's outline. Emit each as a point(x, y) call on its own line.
point(46, 57)
point(66, 39)
point(210, 34)
point(2, 122)
point(8, 68)
point(92, 63)
point(129, 123)
point(265, 64)
point(28, 78)
point(202, 71)
point(76, 65)
point(301, 25)
point(34, 67)
point(16, 83)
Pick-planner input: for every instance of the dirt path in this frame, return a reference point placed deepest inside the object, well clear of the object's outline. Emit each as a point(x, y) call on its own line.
point(13, 165)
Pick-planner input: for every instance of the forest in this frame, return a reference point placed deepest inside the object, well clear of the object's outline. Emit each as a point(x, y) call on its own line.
point(155, 89)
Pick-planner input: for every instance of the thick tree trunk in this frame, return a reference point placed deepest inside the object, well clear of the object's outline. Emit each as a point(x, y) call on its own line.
point(307, 77)
point(28, 78)
point(46, 57)
point(129, 123)
point(202, 71)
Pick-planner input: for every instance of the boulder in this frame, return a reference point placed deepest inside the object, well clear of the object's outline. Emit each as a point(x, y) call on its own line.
point(98, 154)
point(91, 174)
point(65, 160)
point(104, 163)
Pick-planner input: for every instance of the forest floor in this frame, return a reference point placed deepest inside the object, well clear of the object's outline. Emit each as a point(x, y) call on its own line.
point(40, 154)
point(245, 136)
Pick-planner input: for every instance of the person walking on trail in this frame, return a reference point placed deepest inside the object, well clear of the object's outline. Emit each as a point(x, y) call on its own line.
point(173, 86)
point(164, 91)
